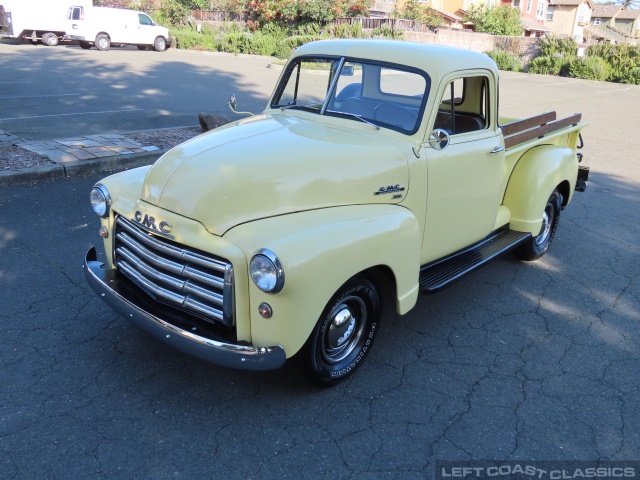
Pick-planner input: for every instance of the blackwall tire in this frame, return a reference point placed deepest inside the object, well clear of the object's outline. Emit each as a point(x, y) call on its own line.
point(344, 334)
point(84, 45)
point(536, 247)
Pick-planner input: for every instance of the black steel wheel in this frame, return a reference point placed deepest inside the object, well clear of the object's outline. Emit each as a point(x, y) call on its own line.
point(536, 246)
point(102, 42)
point(50, 39)
point(160, 44)
point(344, 334)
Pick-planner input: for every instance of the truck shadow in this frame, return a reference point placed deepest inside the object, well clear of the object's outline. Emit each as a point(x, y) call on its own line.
point(61, 92)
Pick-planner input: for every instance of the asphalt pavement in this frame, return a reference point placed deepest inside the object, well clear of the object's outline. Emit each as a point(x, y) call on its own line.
point(520, 361)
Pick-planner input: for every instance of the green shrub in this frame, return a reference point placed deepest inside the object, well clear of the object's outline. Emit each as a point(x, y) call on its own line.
point(186, 38)
point(553, 45)
point(591, 68)
point(285, 48)
point(306, 28)
point(262, 44)
point(347, 31)
point(276, 29)
point(235, 42)
point(505, 60)
point(624, 61)
point(550, 65)
point(387, 32)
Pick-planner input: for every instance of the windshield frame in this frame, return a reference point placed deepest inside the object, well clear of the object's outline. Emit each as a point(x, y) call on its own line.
point(295, 64)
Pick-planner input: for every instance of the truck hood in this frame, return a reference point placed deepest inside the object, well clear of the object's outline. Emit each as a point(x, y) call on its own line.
point(271, 165)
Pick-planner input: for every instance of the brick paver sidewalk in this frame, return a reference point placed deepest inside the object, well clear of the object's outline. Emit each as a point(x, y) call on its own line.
point(83, 148)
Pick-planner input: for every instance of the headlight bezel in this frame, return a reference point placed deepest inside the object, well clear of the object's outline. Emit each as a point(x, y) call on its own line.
point(105, 202)
point(266, 256)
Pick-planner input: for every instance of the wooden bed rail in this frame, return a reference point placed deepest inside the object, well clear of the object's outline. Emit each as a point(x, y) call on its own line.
point(535, 127)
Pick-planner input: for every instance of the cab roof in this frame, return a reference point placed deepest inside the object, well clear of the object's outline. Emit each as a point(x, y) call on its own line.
point(436, 60)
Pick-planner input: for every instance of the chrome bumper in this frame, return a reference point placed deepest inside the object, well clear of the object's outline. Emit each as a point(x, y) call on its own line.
point(115, 289)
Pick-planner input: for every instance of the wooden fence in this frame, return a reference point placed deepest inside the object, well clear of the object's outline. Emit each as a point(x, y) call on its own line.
point(366, 22)
point(219, 16)
point(395, 23)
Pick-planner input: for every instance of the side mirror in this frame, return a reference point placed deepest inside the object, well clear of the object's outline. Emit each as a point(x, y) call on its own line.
point(439, 139)
point(347, 71)
point(233, 106)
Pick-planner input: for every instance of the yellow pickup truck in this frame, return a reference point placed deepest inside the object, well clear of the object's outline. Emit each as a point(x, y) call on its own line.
point(379, 170)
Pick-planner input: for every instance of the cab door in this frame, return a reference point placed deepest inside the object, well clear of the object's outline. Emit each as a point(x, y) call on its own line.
point(145, 29)
point(465, 164)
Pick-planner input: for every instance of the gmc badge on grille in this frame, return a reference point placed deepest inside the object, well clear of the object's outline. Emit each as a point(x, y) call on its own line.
point(149, 222)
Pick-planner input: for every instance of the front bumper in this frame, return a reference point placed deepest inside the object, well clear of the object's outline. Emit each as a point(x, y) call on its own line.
point(117, 291)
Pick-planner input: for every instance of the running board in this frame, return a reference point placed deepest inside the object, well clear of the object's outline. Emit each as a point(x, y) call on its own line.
point(440, 274)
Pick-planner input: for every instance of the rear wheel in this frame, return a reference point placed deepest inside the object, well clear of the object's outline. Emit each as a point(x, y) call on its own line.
point(141, 47)
point(536, 246)
point(160, 44)
point(344, 334)
point(84, 45)
point(50, 39)
point(102, 42)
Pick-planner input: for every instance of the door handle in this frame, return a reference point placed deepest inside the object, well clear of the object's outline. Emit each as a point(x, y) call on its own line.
point(497, 149)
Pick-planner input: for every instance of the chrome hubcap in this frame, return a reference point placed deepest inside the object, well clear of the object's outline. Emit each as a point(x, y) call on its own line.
point(547, 218)
point(344, 330)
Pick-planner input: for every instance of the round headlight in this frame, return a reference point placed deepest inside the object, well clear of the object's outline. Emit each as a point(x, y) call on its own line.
point(267, 271)
point(100, 200)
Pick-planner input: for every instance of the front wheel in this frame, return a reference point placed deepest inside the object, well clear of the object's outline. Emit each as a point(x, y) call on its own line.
point(536, 246)
point(344, 334)
point(160, 44)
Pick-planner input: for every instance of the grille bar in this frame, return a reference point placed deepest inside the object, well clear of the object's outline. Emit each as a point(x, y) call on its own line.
point(177, 276)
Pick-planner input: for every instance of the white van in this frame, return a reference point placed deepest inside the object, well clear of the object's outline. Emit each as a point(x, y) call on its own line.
point(34, 20)
point(102, 27)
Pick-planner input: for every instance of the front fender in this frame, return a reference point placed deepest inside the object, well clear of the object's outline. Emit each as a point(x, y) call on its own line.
point(538, 172)
point(320, 250)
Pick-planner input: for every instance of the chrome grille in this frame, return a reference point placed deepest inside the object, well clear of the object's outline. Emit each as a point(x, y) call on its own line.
point(199, 284)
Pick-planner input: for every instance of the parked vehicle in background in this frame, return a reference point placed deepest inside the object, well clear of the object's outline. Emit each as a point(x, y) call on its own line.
point(102, 27)
point(379, 170)
point(44, 20)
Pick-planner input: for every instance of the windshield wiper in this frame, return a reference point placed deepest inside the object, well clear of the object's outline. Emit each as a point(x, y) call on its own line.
point(315, 106)
point(377, 127)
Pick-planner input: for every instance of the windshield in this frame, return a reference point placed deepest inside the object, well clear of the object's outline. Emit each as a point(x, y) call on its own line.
point(388, 96)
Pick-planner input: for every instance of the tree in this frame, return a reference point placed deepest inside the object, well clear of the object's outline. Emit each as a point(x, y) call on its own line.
point(498, 20)
point(414, 10)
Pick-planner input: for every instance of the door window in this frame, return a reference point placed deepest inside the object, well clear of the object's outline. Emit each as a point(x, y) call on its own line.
point(464, 106)
point(145, 19)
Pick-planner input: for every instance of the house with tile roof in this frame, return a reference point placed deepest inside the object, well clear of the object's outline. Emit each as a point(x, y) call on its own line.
point(533, 14)
point(615, 24)
point(628, 22)
point(568, 18)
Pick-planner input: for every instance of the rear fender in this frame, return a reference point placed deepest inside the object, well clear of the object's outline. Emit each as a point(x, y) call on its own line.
point(320, 250)
point(538, 172)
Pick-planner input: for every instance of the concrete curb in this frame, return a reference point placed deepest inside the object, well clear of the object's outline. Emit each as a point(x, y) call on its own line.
point(80, 168)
